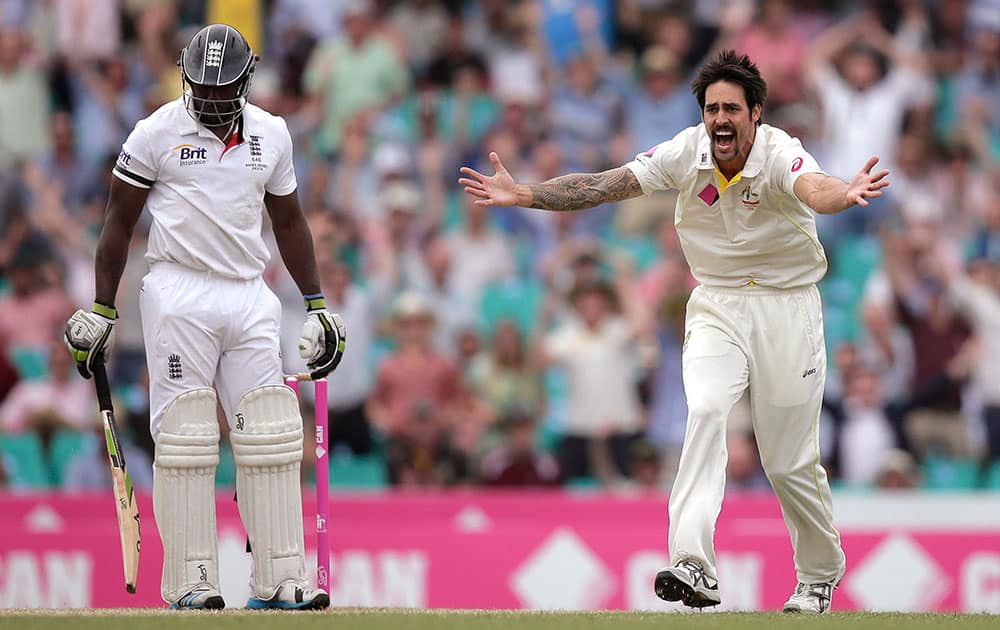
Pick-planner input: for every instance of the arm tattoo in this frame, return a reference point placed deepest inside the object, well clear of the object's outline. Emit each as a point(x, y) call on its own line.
point(585, 190)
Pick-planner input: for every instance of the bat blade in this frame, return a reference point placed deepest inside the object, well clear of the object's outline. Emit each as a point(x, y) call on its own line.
point(125, 504)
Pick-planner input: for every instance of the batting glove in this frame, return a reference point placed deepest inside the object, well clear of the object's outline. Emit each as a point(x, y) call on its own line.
point(88, 336)
point(323, 338)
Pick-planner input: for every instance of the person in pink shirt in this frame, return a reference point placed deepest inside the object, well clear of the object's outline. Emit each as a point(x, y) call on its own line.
point(778, 48)
point(60, 400)
point(35, 311)
point(415, 382)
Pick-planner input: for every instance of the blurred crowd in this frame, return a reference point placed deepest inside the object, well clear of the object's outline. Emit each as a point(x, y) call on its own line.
point(512, 347)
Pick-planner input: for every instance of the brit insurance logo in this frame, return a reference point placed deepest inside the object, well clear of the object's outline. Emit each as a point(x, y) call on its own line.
point(191, 155)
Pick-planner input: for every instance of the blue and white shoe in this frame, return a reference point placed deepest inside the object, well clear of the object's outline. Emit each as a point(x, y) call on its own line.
point(201, 598)
point(292, 596)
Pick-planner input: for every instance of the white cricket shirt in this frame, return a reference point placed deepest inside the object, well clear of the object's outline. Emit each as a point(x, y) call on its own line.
point(755, 231)
point(206, 198)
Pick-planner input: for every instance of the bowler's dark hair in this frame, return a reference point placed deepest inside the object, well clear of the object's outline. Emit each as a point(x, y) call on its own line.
point(733, 67)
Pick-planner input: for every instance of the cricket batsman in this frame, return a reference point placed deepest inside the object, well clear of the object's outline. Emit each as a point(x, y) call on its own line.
point(205, 165)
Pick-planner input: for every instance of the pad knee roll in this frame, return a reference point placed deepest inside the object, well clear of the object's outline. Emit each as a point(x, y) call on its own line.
point(187, 453)
point(267, 447)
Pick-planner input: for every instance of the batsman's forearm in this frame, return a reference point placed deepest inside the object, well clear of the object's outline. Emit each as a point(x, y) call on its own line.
point(295, 244)
point(112, 254)
point(578, 191)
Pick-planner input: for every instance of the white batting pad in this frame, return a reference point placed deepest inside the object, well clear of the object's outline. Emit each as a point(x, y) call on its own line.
point(267, 446)
point(187, 452)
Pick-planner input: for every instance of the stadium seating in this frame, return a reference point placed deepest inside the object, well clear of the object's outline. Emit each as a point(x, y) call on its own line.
point(65, 444)
point(358, 472)
point(942, 473)
point(518, 300)
point(24, 460)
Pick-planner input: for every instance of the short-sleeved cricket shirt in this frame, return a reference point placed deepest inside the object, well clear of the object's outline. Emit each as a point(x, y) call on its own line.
point(753, 231)
point(206, 198)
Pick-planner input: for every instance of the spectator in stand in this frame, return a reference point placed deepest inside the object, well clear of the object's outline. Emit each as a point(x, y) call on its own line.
point(778, 49)
point(35, 310)
point(438, 285)
point(349, 424)
point(597, 349)
point(88, 30)
point(483, 255)
point(937, 333)
point(517, 461)
point(87, 469)
point(60, 400)
point(24, 99)
point(865, 83)
point(661, 106)
point(466, 110)
point(866, 432)
point(646, 468)
point(977, 296)
point(506, 376)
point(415, 384)
point(585, 115)
point(743, 469)
point(63, 166)
point(395, 243)
point(358, 74)
point(899, 471)
point(454, 54)
point(107, 108)
point(978, 90)
point(424, 27)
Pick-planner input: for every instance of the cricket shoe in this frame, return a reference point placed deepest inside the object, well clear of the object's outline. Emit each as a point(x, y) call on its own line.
point(810, 598)
point(688, 583)
point(201, 598)
point(292, 596)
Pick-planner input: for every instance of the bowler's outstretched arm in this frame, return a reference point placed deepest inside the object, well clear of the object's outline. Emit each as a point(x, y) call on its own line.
point(576, 191)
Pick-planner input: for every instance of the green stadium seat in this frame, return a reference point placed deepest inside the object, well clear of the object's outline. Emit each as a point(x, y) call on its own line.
point(839, 327)
point(642, 249)
point(357, 472)
point(583, 484)
point(991, 480)
point(65, 445)
point(855, 258)
point(225, 472)
point(24, 460)
point(944, 473)
point(517, 300)
point(31, 364)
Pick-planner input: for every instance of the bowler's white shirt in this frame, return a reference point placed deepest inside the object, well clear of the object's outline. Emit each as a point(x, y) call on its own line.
point(756, 231)
point(207, 199)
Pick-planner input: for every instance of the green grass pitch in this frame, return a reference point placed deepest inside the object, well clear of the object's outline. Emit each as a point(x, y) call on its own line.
point(373, 619)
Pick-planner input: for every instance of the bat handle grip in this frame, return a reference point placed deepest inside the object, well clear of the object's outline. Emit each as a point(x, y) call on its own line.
point(101, 381)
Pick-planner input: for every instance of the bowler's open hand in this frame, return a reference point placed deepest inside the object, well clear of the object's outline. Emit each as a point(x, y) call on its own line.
point(498, 190)
point(867, 185)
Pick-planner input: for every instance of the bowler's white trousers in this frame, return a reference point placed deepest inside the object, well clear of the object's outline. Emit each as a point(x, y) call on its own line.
point(770, 341)
point(202, 329)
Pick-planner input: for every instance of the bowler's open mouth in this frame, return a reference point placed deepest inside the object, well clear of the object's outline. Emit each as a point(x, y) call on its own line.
point(724, 138)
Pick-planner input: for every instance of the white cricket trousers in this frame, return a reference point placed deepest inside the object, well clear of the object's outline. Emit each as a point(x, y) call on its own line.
point(205, 330)
point(770, 341)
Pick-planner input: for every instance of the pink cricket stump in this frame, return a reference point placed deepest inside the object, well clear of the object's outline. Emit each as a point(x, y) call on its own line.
point(322, 477)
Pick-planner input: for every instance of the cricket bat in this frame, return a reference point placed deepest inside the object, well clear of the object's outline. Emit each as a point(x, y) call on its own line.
point(125, 505)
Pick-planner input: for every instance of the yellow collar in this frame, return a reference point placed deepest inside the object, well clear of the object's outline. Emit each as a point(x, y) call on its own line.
point(726, 183)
